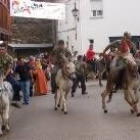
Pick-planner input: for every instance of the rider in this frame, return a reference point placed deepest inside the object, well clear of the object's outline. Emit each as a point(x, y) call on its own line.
point(123, 55)
point(90, 57)
point(124, 51)
point(6, 62)
point(57, 54)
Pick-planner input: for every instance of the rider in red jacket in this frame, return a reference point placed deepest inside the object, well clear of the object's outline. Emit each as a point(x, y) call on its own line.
point(126, 43)
point(90, 58)
point(90, 55)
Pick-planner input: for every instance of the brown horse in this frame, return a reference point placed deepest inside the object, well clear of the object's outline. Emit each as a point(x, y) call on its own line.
point(130, 83)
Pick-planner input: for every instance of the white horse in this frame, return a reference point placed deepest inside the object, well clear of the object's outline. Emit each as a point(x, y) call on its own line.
point(63, 80)
point(6, 94)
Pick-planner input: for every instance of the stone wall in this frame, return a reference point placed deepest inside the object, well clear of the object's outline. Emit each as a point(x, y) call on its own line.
point(26, 30)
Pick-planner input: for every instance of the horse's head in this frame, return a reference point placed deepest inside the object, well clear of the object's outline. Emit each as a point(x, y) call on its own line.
point(69, 69)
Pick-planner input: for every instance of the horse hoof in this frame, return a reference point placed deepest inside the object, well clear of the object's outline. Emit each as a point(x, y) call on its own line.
point(7, 130)
point(1, 134)
point(136, 102)
point(58, 105)
point(65, 112)
point(3, 128)
point(109, 100)
point(105, 111)
point(72, 95)
point(138, 115)
point(132, 111)
point(62, 110)
point(55, 108)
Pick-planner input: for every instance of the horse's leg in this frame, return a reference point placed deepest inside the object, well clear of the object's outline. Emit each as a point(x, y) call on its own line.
point(61, 102)
point(100, 78)
point(64, 102)
point(57, 98)
point(1, 125)
point(127, 97)
point(130, 100)
point(136, 91)
point(110, 97)
point(107, 91)
point(3, 120)
point(101, 72)
point(134, 98)
point(111, 94)
point(62, 105)
point(7, 127)
point(104, 94)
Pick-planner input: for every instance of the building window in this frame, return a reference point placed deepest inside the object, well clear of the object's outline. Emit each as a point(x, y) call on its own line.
point(96, 8)
point(94, 13)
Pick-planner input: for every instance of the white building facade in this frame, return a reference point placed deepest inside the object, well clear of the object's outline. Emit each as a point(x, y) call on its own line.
point(98, 20)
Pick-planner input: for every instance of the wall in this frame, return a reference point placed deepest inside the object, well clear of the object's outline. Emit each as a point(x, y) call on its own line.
point(5, 21)
point(28, 30)
point(67, 28)
point(118, 16)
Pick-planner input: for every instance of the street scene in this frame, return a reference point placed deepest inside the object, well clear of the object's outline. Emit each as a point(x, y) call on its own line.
point(84, 121)
point(69, 70)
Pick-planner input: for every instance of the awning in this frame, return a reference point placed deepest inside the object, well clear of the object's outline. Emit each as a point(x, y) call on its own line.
point(30, 46)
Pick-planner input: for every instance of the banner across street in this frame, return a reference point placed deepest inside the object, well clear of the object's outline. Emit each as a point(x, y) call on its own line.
point(33, 9)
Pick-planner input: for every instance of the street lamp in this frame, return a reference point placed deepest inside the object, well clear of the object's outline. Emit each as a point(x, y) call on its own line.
point(75, 12)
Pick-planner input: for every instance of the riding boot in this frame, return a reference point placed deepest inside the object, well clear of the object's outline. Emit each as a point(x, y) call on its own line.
point(53, 83)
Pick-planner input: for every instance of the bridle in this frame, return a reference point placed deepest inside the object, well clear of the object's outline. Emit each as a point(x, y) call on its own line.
point(67, 75)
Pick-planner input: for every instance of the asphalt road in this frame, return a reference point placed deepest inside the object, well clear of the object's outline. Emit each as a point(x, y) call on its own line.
point(85, 119)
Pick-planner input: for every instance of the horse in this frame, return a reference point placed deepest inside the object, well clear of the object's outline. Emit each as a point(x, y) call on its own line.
point(92, 69)
point(6, 94)
point(64, 79)
point(130, 83)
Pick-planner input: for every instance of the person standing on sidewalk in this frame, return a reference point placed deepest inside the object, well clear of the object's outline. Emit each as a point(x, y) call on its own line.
point(25, 73)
